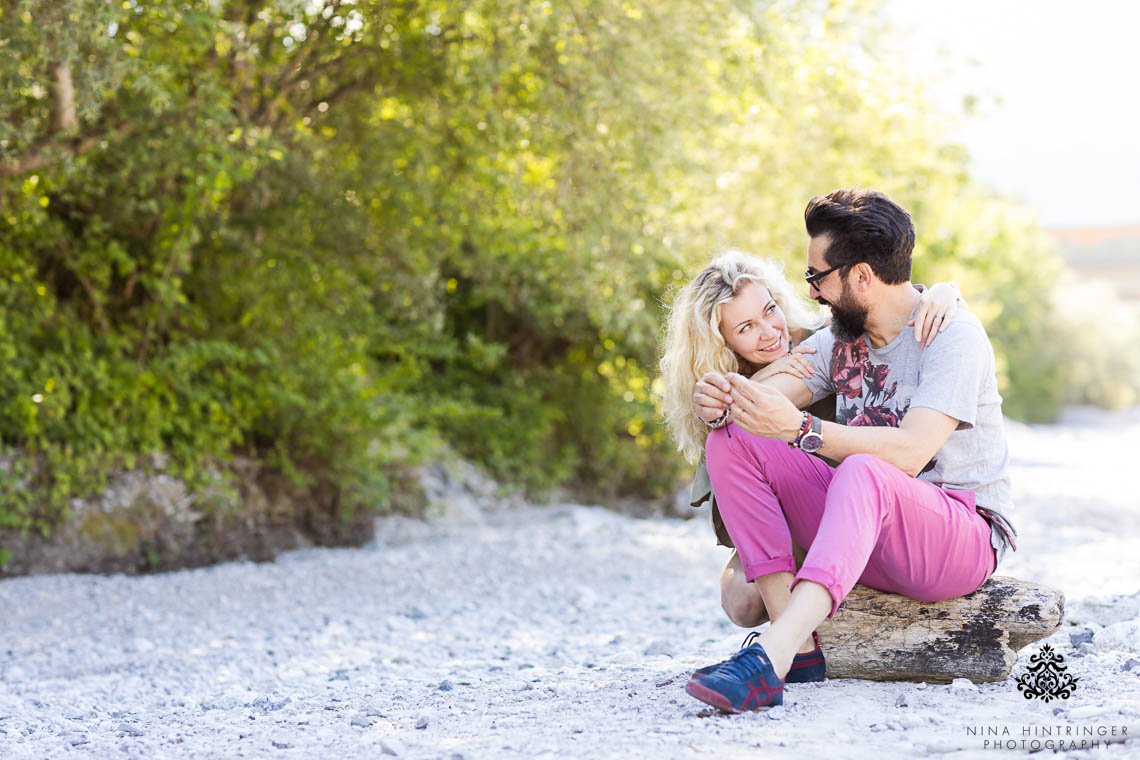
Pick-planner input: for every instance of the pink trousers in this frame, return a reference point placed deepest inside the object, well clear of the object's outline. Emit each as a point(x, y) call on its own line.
point(865, 521)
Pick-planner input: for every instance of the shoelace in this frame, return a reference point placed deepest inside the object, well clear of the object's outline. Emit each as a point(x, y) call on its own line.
point(743, 665)
point(753, 635)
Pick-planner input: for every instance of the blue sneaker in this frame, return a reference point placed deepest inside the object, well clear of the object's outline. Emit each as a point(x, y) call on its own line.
point(806, 668)
point(746, 682)
point(809, 666)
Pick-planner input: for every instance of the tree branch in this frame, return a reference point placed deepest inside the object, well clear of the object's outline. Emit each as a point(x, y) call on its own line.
point(51, 148)
point(64, 119)
point(342, 92)
point(285, 84)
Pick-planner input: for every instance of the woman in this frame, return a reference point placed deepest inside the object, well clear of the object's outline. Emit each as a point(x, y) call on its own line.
point(741, 315)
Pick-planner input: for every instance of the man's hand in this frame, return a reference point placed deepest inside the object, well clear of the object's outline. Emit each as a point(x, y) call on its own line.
point(711, 396)
point(763, 410)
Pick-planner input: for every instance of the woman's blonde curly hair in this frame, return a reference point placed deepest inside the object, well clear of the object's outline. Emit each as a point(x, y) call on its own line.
point(693, 344)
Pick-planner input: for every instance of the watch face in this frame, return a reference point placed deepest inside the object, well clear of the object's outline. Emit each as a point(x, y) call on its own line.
point(811, 442)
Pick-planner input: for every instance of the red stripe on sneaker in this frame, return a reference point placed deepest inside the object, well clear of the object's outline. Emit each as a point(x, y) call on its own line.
point(709, 697)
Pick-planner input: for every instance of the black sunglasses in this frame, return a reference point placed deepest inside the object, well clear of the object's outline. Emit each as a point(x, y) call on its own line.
point(812, 279)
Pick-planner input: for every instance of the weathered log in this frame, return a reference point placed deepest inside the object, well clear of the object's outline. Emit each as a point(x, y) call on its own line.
point(881, 636)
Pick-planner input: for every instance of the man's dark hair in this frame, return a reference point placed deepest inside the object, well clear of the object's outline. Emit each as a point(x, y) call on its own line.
point(864, 225)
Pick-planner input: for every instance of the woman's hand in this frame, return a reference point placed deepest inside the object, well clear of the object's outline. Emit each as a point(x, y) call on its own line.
point(762, 410)
point(936, 309)
point(711, 396)
point(793, 364)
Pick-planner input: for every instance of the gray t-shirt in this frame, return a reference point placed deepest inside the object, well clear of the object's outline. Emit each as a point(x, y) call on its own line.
point(955, 376)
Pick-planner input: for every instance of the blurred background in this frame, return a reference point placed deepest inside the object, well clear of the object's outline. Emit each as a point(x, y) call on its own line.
point(315, 244)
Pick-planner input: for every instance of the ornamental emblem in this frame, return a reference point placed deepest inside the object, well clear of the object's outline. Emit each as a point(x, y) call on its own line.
point(1046, 678)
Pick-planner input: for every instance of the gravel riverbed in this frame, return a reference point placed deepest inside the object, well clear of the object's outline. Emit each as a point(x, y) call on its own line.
point(558, 631)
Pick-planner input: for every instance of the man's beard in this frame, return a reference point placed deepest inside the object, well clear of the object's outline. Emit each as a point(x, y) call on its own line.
point(848, 318)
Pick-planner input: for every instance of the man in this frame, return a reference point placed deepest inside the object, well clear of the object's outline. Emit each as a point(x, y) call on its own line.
point(916, 505)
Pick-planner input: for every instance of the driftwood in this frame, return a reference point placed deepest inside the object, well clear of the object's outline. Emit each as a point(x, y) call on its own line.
point(880, 636)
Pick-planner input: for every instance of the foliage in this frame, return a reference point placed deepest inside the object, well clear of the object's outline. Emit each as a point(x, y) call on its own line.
point(339, 236)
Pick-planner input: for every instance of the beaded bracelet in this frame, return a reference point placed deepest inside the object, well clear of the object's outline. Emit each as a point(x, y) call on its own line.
point(803, 429)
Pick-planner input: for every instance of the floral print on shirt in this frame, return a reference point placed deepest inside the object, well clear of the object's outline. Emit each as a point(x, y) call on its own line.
point(862, 396)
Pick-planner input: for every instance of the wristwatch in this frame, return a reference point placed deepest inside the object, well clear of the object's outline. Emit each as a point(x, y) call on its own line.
point(812, 440)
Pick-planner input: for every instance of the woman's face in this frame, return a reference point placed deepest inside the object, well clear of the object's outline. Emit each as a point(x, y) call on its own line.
point(753, 325)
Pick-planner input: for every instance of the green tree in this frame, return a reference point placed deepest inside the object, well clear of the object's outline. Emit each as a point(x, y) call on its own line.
point(341, 237)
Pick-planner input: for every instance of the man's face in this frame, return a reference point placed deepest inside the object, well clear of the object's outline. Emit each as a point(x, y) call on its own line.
point(848, 313)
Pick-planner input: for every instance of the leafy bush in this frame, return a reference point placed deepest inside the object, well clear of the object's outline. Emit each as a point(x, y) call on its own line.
point(342, 238)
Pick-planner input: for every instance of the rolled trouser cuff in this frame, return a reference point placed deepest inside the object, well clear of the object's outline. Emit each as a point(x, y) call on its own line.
point(754, 570)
